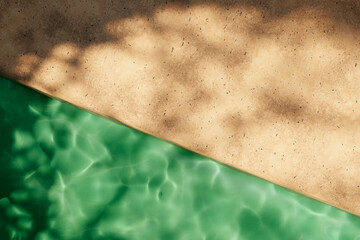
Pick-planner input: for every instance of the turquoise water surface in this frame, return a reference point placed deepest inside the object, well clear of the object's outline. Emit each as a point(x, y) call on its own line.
point(68, 174)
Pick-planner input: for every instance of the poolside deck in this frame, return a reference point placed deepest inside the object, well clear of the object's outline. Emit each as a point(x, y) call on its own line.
point(268, 87)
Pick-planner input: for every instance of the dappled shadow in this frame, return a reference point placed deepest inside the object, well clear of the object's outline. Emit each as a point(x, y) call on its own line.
point(179, 57)
point(34, 27)
point(261, 85)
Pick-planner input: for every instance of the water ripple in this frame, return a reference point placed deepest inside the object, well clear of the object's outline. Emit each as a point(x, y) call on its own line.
point(68, 174)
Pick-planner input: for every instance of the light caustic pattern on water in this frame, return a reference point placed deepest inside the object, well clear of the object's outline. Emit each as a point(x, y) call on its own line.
point(68, 174)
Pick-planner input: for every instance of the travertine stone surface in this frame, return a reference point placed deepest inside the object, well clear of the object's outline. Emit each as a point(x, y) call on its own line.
point(269, 87)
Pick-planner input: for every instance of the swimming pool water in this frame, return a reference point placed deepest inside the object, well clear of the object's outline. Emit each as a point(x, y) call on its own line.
point(68, 174)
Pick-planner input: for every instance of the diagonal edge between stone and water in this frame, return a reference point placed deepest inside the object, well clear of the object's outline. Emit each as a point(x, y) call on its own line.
point(268, 88)
point(71, 175)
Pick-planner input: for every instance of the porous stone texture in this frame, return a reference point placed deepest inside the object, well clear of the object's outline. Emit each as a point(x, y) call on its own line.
point(268, 87)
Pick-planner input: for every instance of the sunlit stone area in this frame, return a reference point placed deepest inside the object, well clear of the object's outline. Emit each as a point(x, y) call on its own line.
point(268, 87)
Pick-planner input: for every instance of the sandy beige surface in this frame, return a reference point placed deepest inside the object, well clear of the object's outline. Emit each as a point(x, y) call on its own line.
point(269, 87)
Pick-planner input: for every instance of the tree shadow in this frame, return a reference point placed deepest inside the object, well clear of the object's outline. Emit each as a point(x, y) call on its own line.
point(57, 47)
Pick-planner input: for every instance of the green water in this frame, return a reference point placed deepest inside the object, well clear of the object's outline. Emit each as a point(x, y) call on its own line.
point(68, 174)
